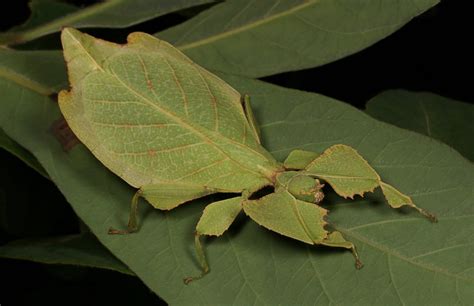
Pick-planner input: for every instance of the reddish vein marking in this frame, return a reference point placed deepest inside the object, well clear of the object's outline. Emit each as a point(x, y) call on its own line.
point(213, 98)
point(203, 169)
point(154, 152)
point(188, 126)
point(115, 102)
point(149, 84)
point(133, 125)
point(175, 77)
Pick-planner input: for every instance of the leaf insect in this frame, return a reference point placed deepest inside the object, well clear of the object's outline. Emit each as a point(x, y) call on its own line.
point(176, 132)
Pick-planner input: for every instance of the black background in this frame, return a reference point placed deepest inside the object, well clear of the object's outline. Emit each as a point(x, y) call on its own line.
point(431, 53)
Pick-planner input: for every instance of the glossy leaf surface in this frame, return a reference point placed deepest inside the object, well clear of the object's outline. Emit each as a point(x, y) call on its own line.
point(441, 118)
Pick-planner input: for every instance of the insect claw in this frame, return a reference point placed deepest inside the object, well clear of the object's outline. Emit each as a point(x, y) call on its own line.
point(428, 215)
point(358, 264)
point(189, 279)
point(431, 217)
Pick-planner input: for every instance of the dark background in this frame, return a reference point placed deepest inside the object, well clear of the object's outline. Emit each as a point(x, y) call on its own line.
point(430, 53)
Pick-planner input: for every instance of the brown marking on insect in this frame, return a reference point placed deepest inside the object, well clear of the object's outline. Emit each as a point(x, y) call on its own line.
point(151, 152)
point(63, 133)
point(149, 84)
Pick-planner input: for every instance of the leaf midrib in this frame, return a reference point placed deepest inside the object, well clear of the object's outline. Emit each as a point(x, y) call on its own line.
point(263, 21)
point(245, 27)
point(25, 82)
point(203, 136)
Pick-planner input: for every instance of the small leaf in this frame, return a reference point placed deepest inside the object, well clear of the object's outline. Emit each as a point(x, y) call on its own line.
point(282, 213)
point(441, 118)
point(218, 216)
point(345, 170)
point(299, 159)
point(396, 199)
point(78, 250)
point(260, 38)
point(107, 14)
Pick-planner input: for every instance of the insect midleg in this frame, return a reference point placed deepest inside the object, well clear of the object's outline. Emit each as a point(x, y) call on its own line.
point(132, 219)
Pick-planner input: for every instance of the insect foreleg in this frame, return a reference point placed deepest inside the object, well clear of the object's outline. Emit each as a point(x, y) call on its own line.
point(215, 220)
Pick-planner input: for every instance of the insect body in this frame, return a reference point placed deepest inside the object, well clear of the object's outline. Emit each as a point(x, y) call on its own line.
point(177, 132)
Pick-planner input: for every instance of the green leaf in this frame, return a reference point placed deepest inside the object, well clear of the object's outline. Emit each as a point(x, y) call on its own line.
point(288, 216)
point(106, 14)
point(14, 148)
point(78, 250)
point(260, 38)
point(407, 259)
point(24, 69)
point(441, 118)
point(345, 170)
point(113, 109)
point(43, 11)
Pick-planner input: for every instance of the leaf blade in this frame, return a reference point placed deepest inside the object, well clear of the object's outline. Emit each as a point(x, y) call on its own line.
point(78, 250)
point(254, 39)
point(14, 148)
point(345, 170)
point(431, 173)
point(441, 118)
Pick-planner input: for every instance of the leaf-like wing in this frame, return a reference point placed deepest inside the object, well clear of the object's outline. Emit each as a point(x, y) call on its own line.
point(151, 115)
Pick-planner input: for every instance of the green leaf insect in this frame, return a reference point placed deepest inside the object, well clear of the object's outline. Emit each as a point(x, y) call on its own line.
point(176, 132)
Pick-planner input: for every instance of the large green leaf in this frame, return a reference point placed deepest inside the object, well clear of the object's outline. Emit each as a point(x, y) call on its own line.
point(79, 250)
point(110, 14)
point(23, 69)
point(445, 119)
point(259, 38)
point(407, 259)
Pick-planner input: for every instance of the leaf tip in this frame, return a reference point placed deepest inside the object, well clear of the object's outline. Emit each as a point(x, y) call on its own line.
point(69, 32)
